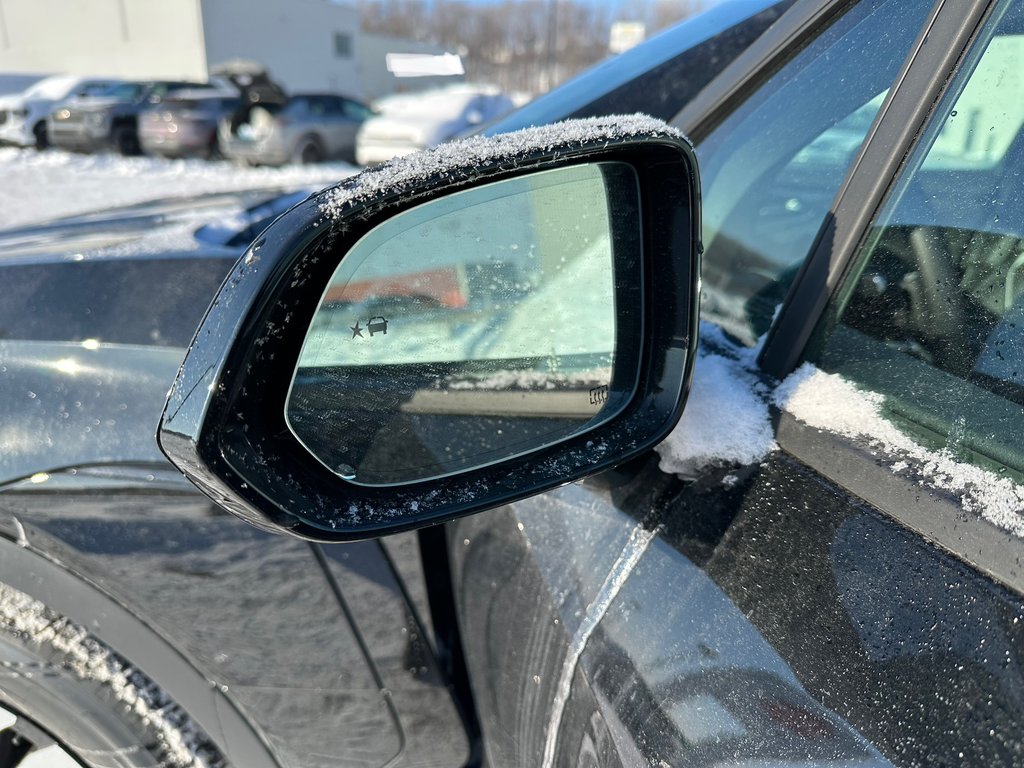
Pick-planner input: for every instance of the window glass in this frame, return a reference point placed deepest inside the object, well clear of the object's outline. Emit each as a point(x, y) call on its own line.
point(771, 169)
point(356, 110)
point(932, 315)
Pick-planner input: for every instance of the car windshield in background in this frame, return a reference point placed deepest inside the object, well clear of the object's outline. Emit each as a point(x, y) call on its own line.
point(659, 77)
point(55, 87)
point(124, 92)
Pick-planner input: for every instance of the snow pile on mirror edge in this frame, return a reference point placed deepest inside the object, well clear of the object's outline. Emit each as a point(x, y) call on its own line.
point(827, 401)
point(486, 151)
point(726, 419)
point(727, 422)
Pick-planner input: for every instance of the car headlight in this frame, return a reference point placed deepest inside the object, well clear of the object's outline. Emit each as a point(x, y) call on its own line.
point(20, 113)
point(62, 114)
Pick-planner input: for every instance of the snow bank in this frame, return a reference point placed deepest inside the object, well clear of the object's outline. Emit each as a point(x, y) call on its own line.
point(39, 186)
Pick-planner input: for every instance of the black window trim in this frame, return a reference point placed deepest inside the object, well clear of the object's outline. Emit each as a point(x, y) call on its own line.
point(937, 55)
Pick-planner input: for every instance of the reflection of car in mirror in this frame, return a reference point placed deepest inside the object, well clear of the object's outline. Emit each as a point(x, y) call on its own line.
point(378, 324)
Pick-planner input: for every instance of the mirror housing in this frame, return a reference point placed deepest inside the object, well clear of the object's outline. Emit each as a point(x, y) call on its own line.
point(225, 425)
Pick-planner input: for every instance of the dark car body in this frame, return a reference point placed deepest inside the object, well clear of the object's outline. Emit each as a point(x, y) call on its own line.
point(825, 601)
point(184, 124)
point(308, 128)
point(110, 120)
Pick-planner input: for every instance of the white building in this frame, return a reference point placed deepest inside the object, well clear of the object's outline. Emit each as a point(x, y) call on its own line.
point(305, 44)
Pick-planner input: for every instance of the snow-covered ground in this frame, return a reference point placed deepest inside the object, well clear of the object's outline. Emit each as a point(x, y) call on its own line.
point(38, 186)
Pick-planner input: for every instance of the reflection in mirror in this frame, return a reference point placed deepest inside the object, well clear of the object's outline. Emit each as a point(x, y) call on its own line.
point(478, 326)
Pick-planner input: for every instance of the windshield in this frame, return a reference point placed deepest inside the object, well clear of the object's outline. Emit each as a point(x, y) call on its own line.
point(443, 102)
point(124, 92)
point(660, 76)
point(52, 88)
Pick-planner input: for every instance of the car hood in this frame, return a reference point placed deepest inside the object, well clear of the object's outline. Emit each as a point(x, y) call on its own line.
point(417, 130)
point(96, 315)
point(80, 404)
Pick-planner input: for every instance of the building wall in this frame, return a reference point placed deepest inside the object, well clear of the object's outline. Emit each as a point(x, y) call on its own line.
point(301, 42)
point(307, 45)
point(125, 38)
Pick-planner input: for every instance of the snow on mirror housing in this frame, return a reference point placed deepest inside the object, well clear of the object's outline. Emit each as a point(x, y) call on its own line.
point(451, 331)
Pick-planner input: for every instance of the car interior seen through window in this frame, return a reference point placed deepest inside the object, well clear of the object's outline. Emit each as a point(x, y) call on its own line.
point(932, 314)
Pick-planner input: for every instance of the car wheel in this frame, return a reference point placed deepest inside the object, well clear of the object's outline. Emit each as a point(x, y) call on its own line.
point(41, 137)
point(126, 141)
point(308, 152)
point(68, 700)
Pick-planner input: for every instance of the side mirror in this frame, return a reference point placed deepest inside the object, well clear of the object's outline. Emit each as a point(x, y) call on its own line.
point(448, 332)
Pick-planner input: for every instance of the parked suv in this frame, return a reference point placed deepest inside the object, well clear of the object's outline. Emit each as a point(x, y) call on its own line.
point(184, 123)
point(110, 119)
point(23, 116)
point(308, 128)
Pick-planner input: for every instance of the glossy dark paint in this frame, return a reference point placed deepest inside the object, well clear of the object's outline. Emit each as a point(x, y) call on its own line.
point(782, 586)
point(97, 525)
point(236, 604)
point(224, 423)
point(821, 610)
point(822, 626)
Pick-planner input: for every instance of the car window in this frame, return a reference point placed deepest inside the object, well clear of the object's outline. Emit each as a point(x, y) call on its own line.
point(125, 91)
point(931, 315)
point(356, 110)
point(771, 169)
point(92, 89)
point(298, 106)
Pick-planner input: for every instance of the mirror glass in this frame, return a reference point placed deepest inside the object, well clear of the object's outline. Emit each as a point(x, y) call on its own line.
point(478, 326)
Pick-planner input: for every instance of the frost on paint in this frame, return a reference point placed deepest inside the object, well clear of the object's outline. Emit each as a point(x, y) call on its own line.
point(484, 152)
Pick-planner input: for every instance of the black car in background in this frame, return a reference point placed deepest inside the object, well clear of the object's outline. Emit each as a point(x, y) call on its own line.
point(821, 567)
point(110, 120)
point(184, 124)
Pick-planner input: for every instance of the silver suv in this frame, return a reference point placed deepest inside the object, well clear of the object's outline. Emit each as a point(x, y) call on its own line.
point(309, 128)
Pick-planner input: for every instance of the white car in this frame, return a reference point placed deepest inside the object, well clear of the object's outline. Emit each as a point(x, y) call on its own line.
point(410, 122)
point(23, 115)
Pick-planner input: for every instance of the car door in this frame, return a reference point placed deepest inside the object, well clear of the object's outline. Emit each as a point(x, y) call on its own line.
point(824, 568)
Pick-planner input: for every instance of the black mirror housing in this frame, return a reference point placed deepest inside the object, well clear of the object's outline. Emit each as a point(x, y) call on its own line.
point(224, 425)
